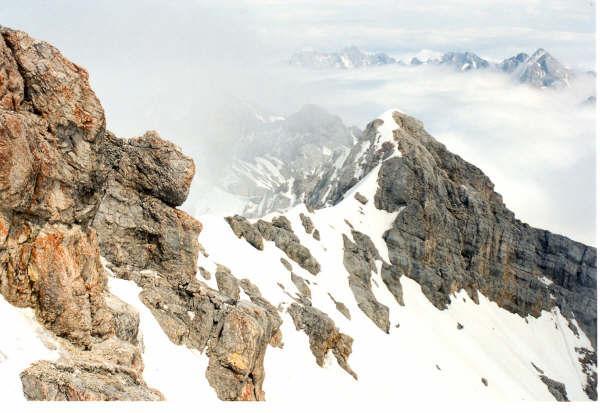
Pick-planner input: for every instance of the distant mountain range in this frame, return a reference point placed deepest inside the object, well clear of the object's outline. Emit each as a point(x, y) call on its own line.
point(540, 69)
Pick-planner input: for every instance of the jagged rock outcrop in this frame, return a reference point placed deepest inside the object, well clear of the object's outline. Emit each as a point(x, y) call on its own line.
point(111, 370)
point(359, 260)
point(301, 285)
point(243, 229)
point(236, 352)
point(280, 231)
point(228, 285)
point(323, 335)
point(52, 127)
point(588, 360)
point(557, 389)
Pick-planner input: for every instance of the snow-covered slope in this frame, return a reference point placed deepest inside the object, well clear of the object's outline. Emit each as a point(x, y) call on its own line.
point(23, 342)
point(471, 350)
point(468, 351)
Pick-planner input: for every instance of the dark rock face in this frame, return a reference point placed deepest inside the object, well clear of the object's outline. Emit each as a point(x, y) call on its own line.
point(361, 198)
point(157, 168)
point(589, 361)
point(359, 260)
point(453, 231)
point(557, 389)
point(323, 335)
point(391, 277)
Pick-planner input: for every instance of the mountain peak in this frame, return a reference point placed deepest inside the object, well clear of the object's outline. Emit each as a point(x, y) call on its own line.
point(543, 70)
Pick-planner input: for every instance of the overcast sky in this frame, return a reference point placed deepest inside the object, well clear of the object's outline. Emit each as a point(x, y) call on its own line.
point(164, 64)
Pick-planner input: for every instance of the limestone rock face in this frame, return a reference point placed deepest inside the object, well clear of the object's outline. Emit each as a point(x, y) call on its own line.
point(56, 270)
point(155, 167)
point(453, 231)
point(52, 177)
point(56, 89)
point(48, 179)
point(557, 389)
point(243, 229)
point(236, 350)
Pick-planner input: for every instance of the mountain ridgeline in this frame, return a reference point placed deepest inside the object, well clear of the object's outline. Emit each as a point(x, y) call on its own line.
point(391, 255)
point(540, 69)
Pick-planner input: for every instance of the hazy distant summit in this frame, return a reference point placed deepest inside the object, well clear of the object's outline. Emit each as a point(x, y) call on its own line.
point(540, 69)
point(347, 58)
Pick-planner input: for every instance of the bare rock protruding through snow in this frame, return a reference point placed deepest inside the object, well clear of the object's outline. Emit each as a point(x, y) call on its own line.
point(280, 231)
point(454, 232)
point(359, 260)
point(323, 335)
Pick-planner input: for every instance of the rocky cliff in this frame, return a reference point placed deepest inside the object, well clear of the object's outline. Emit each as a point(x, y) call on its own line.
point(72, 192)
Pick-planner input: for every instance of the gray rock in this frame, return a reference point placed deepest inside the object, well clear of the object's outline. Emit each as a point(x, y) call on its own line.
point(138, 231)
point(341, 307)
point(126, 319)
point(236, 352)
point(556, 389)
point(391, 277)
point(256, 297)
point(589, 360)
point(323, 335)
point(316, 235)
point(512, 63)
point(46, 381)
point(301, 285)
point(359, 261)
point(204, 273)
point(542, 70)
point(454, 232)
point(242, 228)
point(307, 223)
point(279, 231)
point(286, 264)
point(156, 167)
point(227, 283)
point(361, 198)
